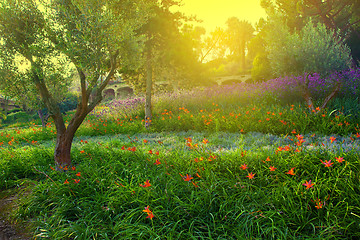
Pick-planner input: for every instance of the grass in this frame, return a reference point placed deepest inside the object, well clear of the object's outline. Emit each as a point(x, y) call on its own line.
point(190, 175)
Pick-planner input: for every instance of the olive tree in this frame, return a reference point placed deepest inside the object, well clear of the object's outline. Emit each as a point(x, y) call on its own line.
point(95, 37)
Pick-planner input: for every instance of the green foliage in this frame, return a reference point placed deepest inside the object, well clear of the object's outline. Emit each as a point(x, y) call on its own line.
point(314, 49)
point(261, 70)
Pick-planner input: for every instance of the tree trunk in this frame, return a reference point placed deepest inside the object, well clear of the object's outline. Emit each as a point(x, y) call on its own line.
point(306, 94)
point(242, 55)
point(62, 152)
point(6, 106)
point(42, 118)
point(148, 106)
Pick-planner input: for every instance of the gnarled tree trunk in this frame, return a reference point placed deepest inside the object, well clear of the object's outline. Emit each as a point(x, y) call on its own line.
point(309, 101)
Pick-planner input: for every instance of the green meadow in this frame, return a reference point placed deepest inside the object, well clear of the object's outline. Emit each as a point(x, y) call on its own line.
point(232, 167)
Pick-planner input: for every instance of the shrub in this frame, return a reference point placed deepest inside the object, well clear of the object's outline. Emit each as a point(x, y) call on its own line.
point(314, 49)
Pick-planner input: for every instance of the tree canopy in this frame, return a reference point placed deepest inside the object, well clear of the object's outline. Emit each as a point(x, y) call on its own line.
point(95, 37)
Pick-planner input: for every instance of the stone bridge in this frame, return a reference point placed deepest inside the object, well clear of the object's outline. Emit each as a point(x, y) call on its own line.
point(232, 79)
point(118, 90)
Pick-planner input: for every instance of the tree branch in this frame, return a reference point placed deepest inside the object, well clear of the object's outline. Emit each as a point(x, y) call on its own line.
point(98, 93)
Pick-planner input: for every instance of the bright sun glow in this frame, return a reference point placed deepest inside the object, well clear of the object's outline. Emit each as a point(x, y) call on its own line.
point(214, 13)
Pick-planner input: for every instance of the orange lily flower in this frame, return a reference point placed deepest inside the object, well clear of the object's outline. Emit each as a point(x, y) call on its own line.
point(308, 184)
point(244, 166)
point(251, 175)
point(146, 184)
point(340, 159)
point(187, 178)
point(291, 171)
point(272, 168)
point(327, 163)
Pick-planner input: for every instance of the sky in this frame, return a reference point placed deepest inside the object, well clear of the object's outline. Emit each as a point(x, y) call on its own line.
point(214, 13)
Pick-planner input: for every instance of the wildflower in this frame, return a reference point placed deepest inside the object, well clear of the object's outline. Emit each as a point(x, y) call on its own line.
point(82, 151)
point(145, 141)
point(308, 184)
point(212, 157)
point(78, 174)
point(272, 168)
point(150, 215)
point(340, 159)
point(66, 182)
point(146, 184)
point(157, 162)
point(319, 204)
point(327, 163)
point(148, 212)
point(73, 168)
point(76, 180)
point(157, 153)
point(52, 168)
point(187, 178)
point(267, 159)
point(251, 175)
point(244, 166)
point(299, 136)
point(291, 171)
point(332, 139)
point(150, 152)
point(205, 141)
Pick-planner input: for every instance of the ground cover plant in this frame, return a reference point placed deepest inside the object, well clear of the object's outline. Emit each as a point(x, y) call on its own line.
point(252, 161)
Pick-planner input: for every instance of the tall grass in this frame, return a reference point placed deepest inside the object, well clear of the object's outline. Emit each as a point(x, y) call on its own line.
point(250, 161)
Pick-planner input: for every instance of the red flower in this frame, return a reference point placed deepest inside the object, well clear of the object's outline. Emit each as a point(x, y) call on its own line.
point(251, 175)
point(308, 184)
point(187, 178)
point(78, 174)
point(272, 168)
point(244, 166)
point(150, 215)
point(66, 182)
point(340, 159)
point(332, 139)
point(76, 180)
point(146, 184)
point(157, 162)
point(327, 163)
point(291, 171)
point(319, 204)
point(148, 212)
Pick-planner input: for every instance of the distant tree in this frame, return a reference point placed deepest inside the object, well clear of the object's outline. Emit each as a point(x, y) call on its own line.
point(239, 33)
point(94, 36)
point(170, 45)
